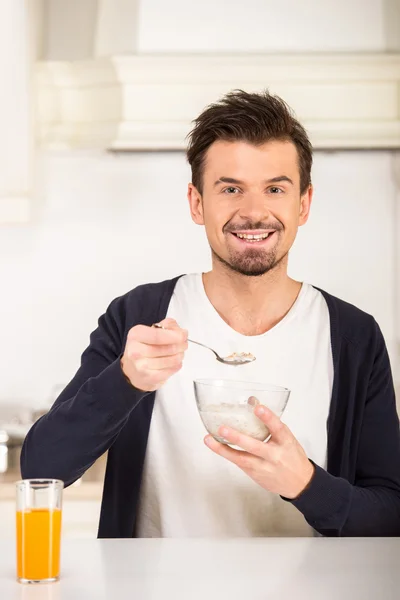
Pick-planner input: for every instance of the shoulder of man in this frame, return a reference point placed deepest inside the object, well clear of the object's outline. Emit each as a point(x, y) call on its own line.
point(145, 304)
point(350, 322)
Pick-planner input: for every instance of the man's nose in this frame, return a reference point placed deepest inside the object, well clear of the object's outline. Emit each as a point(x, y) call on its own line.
point(254, 208)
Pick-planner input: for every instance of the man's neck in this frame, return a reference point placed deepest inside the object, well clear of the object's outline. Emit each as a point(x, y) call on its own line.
point(251, 305)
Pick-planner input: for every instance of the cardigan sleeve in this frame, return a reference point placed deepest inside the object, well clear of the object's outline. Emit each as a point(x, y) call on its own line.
point(87, 417)
point(370, 507)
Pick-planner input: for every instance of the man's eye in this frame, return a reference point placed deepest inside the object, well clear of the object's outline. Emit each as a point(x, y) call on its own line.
point(275, 190)
point(230, 190)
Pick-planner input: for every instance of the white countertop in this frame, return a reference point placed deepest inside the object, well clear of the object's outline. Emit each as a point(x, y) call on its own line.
point(249, 569)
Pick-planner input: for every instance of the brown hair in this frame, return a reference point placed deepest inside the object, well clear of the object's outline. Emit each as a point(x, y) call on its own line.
point(253, 118)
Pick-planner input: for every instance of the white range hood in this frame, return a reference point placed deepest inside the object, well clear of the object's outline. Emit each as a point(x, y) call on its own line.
point(147, 102)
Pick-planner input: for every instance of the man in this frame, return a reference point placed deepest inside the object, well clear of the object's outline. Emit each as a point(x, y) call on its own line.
point(332, 465)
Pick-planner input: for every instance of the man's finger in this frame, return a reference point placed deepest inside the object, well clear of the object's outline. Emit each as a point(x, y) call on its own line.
point(158, 337)
point(161, 376)
point(242, 459)
point(247, 443)
point(278, 430)
point(168, 323)
point(139, 350)
point(156, 364)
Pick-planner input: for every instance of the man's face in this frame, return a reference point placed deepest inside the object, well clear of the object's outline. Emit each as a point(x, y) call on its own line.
point(251, 204)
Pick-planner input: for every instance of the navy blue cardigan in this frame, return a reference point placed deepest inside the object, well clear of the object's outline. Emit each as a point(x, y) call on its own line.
point(358, 495)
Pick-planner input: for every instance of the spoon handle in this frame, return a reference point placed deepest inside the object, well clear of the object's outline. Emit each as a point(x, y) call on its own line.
point(204, 346)
point(191, 341)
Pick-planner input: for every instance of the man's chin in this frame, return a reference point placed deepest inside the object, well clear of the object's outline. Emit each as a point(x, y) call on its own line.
point(249, 266)
point(251, 271)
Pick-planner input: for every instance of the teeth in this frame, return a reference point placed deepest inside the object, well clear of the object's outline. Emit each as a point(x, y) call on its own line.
point(260, 236)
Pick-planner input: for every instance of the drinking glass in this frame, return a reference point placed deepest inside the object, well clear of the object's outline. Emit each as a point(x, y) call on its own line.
point(38, 520)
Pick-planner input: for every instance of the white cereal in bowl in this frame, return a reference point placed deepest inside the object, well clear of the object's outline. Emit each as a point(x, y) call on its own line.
point(238, 416)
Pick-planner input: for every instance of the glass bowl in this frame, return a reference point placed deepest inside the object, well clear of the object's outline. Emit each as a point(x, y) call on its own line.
point(232, 403)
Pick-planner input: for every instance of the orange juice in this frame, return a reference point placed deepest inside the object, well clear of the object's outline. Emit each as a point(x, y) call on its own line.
point(38, 543)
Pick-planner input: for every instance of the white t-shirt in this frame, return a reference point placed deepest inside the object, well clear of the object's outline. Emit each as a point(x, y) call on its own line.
point(187, 490)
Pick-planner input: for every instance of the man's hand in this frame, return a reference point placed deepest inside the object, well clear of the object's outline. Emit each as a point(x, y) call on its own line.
point(280, 465)
point(153, 355)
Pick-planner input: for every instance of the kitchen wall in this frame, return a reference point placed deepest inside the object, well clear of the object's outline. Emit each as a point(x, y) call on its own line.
point(262, 26)
point(105, 223)
point(80, 29)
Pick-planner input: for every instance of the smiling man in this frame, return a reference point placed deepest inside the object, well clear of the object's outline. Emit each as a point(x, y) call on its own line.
point(332, 464)
point(251, 248)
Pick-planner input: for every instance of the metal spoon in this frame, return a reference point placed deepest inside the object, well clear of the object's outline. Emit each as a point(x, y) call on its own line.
point(235, 361)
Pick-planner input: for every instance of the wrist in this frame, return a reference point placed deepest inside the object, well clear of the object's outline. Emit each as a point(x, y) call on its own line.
point(121, 363)
point(306, 481)
point(128, 379)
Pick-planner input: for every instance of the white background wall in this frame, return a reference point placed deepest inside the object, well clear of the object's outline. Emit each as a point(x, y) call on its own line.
point(217, 26)
point(261, 25)
point(106, 223)
point(99, 218)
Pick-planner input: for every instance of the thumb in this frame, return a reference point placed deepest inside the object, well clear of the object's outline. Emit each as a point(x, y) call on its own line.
point(279, 431)
point(172, 324)
point(168, 324)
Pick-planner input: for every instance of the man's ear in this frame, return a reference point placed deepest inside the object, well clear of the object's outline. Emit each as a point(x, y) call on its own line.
point(305, 205)
point(195, 204)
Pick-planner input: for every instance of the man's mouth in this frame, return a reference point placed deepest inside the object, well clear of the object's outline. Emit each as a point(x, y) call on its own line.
point(253, 238)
